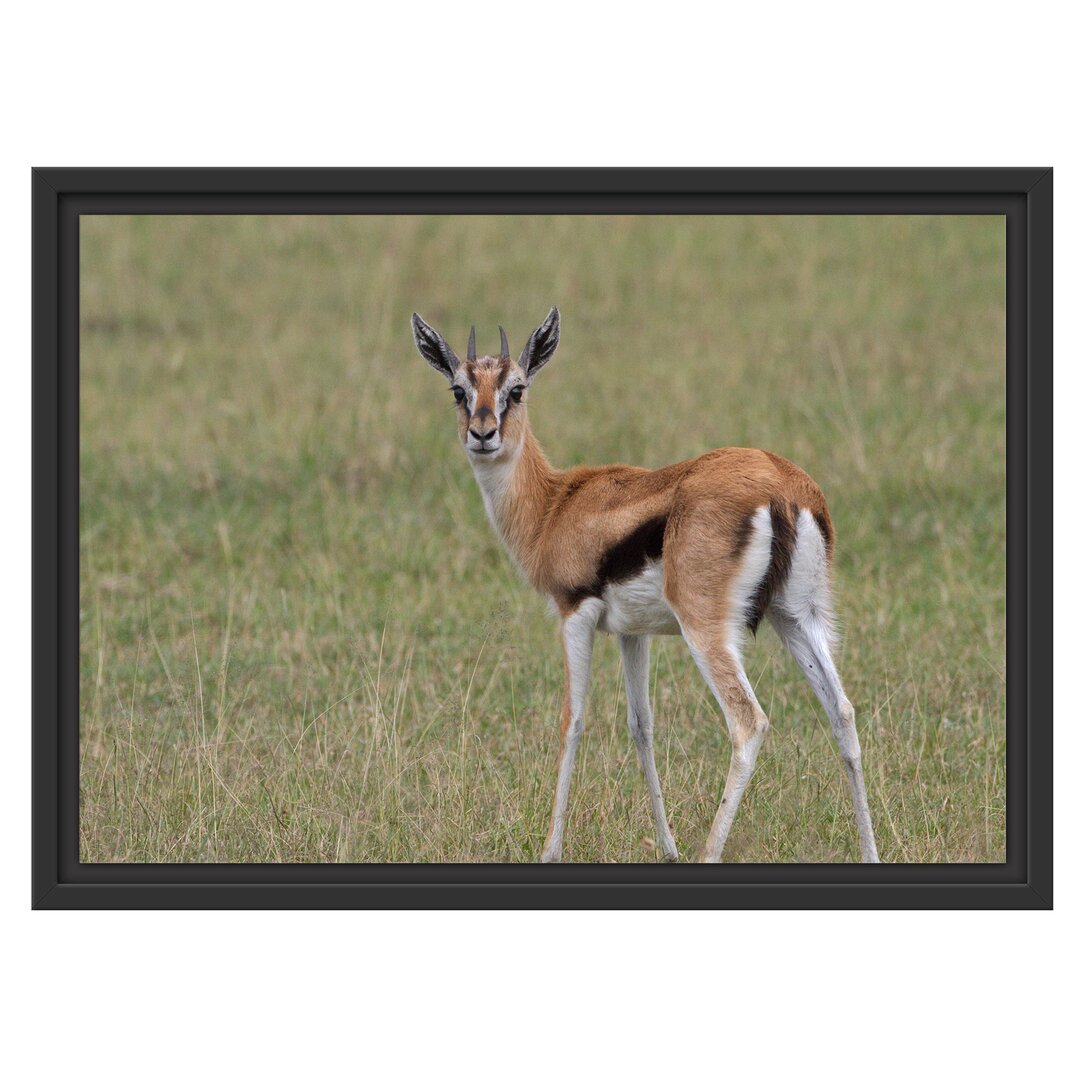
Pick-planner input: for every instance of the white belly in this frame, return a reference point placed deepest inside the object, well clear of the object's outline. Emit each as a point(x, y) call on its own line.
point(637, 605)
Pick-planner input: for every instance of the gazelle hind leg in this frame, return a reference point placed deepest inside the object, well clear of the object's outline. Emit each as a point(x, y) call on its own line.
point(635, 654)
point(720, 664)
point(710, 596)
point(808, 641)
point(802, 616)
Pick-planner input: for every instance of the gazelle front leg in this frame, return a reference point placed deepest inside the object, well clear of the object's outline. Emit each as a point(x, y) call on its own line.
point(635, 654)
point(578, 631)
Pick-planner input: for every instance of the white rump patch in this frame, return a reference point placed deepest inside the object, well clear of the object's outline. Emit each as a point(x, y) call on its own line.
point(805, 596)
point(752, 569)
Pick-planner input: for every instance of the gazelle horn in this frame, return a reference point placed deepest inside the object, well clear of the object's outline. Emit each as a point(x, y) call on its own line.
point(471, 355)
point(504, 345)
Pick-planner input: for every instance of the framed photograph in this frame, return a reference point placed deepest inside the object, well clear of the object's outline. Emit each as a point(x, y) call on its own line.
point(542, 538)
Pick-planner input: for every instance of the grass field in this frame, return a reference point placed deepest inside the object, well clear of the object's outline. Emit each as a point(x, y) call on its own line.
point(301, 641)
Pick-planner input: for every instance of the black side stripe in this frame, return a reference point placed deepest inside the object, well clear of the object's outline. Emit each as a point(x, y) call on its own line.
point(783, 517)
point(825, 528)
point(624, 559)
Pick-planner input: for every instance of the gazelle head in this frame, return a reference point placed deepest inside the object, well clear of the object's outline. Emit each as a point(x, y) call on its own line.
point(489, 391)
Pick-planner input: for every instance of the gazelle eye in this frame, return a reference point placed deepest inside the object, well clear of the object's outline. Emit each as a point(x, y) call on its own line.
point(459, 394)
point(515, 394)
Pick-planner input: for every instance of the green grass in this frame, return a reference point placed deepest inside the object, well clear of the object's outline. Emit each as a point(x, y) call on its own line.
point(300, 640)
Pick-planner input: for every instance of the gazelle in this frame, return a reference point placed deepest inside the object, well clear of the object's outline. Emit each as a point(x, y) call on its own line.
point(705, 548)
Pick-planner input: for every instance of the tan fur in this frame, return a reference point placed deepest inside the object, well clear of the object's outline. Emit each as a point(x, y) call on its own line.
point(559, 523)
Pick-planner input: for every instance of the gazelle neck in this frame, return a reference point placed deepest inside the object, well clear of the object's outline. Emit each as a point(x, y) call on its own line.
point(517, 489)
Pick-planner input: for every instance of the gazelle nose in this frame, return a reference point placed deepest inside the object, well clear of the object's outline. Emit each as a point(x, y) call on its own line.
point(481, 435)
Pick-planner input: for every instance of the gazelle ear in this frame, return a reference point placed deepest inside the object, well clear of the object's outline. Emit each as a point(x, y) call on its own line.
point(433, 348)
point(541, 346)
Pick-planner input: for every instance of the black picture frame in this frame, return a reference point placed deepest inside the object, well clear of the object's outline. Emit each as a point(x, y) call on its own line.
point(1025, 198)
